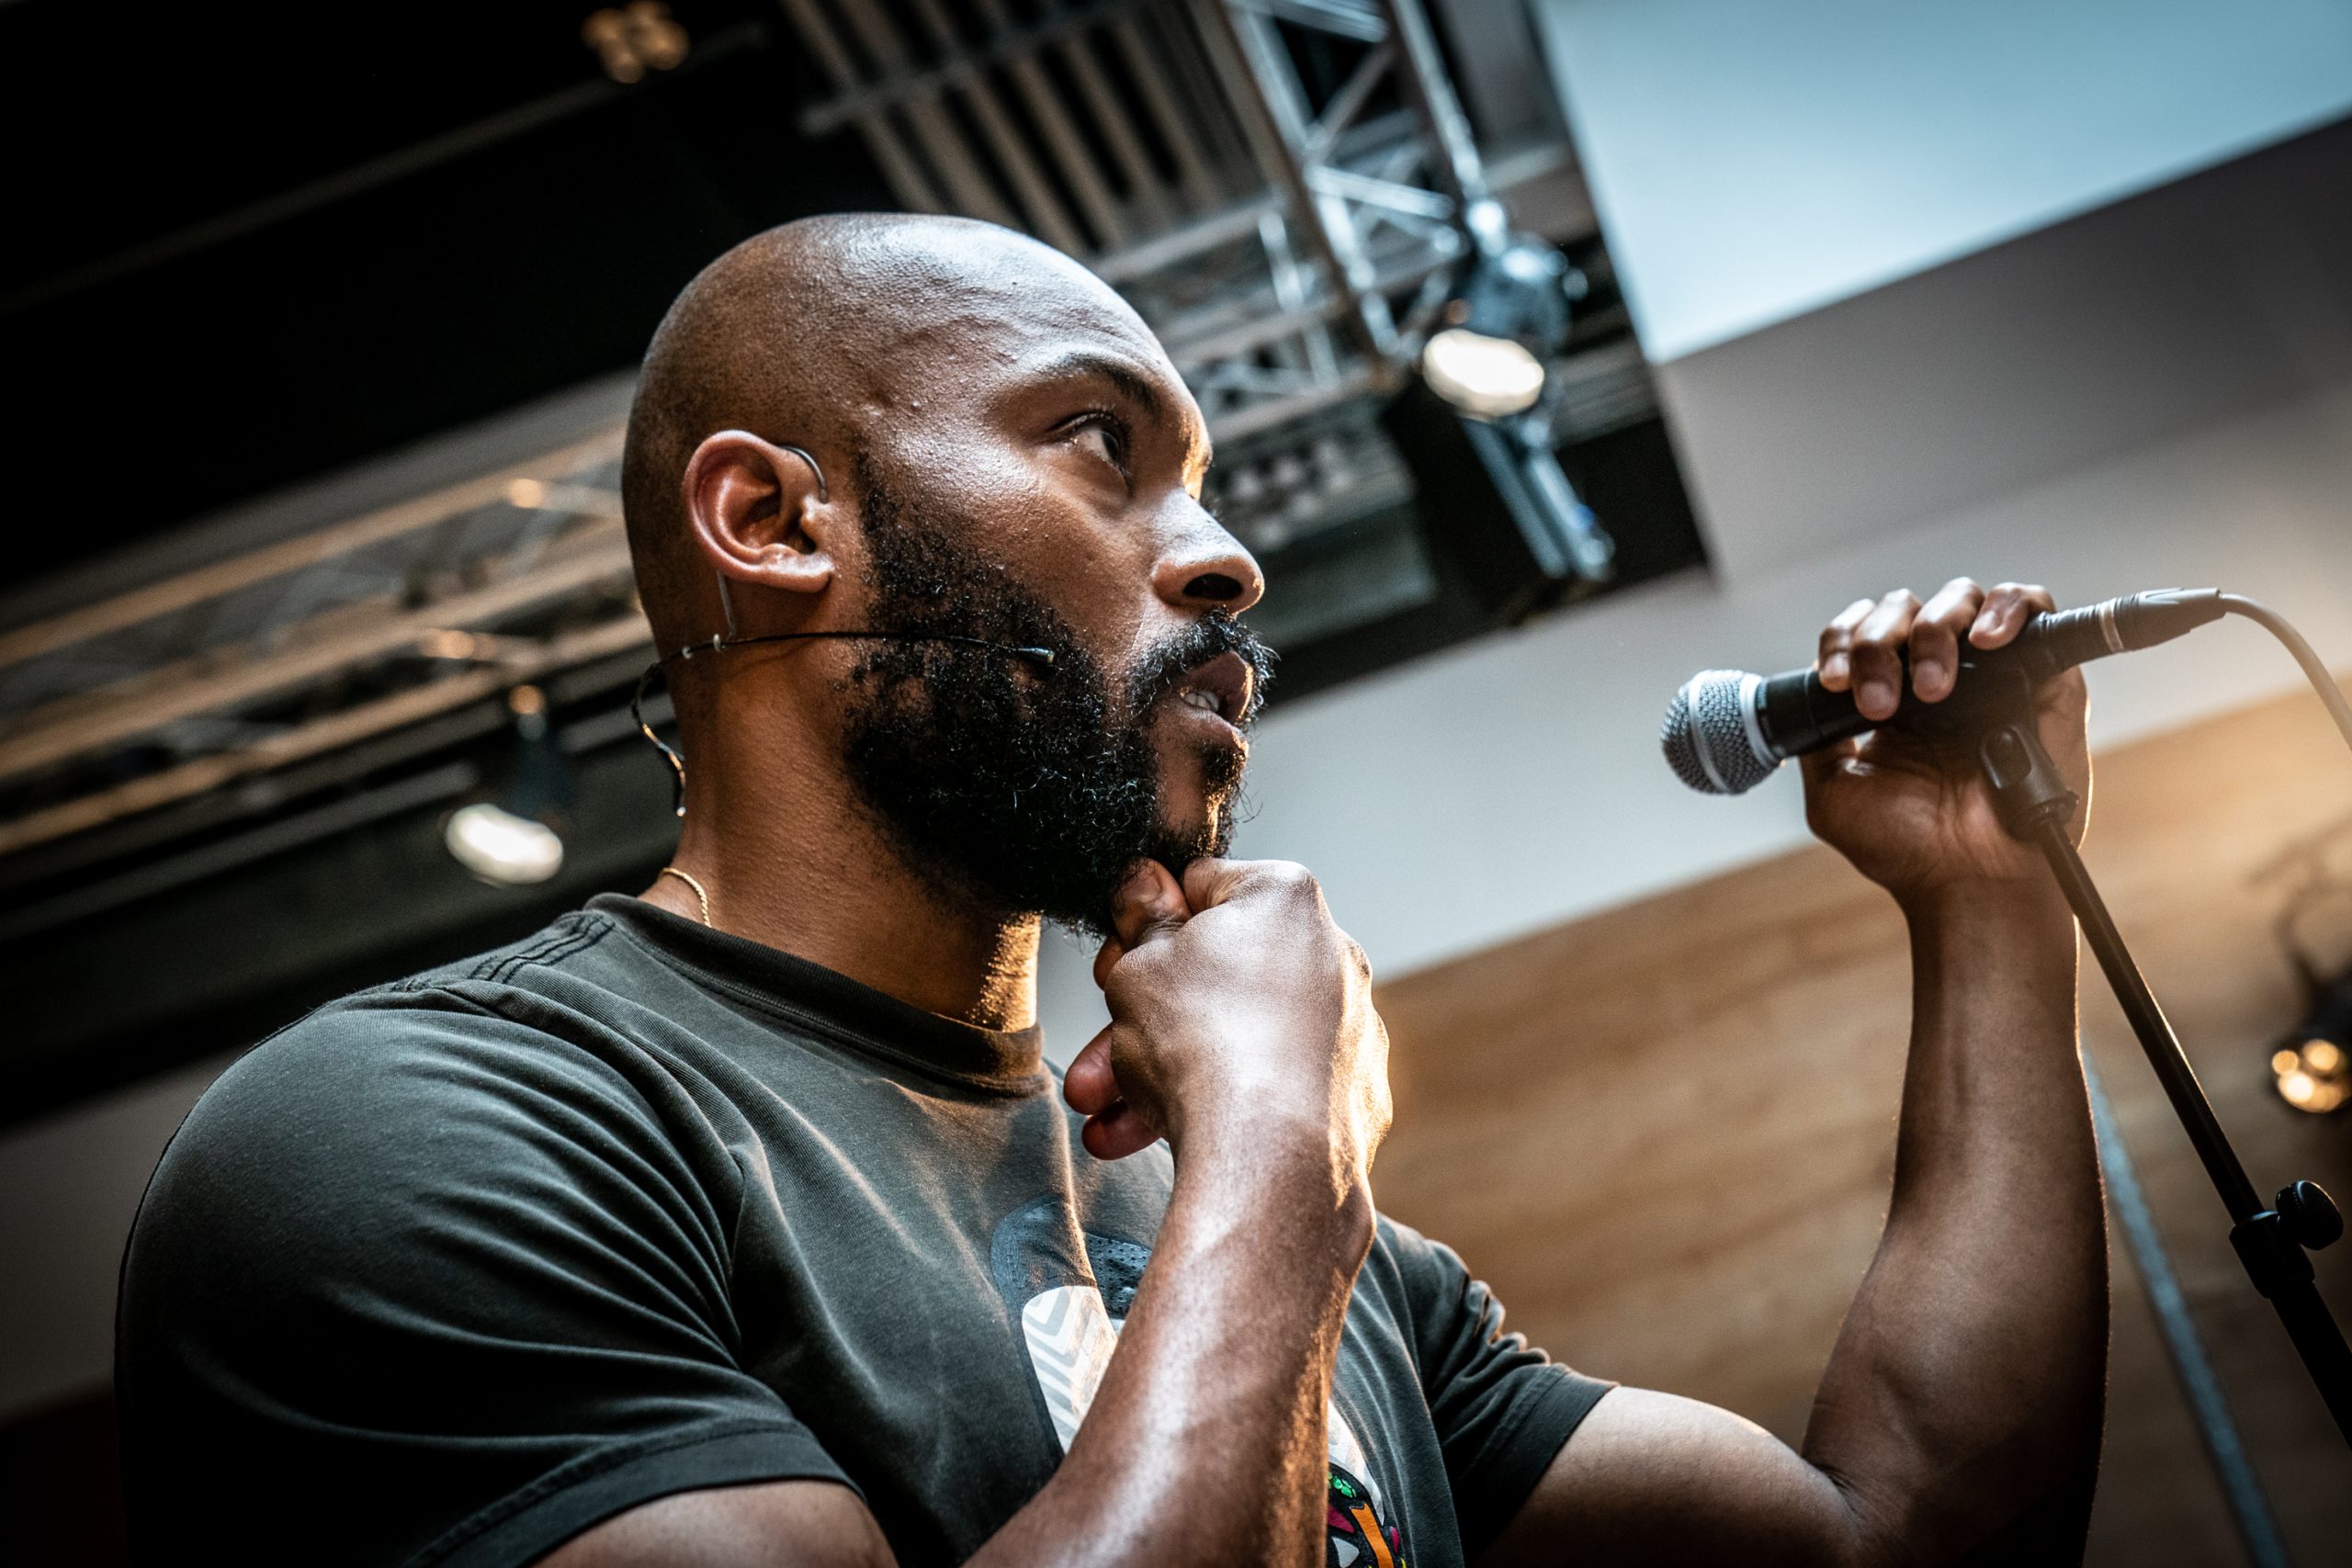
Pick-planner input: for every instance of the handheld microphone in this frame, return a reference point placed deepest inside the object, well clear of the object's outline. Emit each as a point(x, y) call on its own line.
point(1727, 730)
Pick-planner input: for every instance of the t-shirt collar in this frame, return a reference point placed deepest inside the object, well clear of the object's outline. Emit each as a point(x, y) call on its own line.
point(995, 1058)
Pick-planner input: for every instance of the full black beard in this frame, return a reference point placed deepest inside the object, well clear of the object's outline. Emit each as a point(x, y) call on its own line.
point(1033, 790)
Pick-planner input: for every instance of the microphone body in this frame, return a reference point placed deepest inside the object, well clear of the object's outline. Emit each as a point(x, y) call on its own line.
point(1727, 730)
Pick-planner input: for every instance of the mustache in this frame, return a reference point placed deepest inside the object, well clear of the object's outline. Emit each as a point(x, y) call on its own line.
point(1163, 669)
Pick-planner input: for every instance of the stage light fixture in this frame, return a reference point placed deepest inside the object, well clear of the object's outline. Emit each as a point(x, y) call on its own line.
point(498, 846)
point(631, 40)
point(1509, 315)
point(508, 840)
point(1489, 376)
point(2311, 1068)
point(2311, 1065)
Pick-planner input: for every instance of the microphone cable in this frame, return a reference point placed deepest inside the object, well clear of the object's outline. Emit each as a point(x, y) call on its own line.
point(2322, 680)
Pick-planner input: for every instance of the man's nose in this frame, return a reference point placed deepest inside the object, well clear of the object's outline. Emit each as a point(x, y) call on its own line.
point(1208, 567)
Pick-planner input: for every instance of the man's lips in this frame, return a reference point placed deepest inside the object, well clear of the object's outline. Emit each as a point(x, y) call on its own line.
point(1219, 688)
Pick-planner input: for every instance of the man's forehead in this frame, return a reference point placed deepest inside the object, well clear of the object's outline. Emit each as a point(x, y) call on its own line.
point(987, 296)
point(1014, 300)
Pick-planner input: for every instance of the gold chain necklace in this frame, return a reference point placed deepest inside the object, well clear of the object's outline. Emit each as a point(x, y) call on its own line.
point(701, 896)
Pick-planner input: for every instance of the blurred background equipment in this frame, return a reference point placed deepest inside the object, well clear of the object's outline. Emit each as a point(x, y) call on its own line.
point(2312, 1063)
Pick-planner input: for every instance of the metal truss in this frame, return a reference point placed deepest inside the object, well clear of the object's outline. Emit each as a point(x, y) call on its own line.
point(1280, 187)
point(300, 648)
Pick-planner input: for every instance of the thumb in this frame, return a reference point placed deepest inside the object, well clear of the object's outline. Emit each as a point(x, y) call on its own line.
point(1088, 1085)
point(1147, 904)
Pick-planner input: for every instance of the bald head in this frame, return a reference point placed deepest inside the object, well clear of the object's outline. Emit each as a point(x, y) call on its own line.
point(822, 334)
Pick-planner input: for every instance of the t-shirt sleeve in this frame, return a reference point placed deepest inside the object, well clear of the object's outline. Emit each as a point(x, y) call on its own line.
point(419, 1284)
point(1501, 1408)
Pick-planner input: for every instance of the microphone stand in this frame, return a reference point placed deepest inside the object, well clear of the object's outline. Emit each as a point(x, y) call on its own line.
point(1993, 713)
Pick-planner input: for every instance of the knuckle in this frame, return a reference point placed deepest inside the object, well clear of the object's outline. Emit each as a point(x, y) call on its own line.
point(1161, 925)
point(1294, 879)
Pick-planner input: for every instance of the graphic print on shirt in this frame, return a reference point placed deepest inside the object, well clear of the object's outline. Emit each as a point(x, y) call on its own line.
point(1070, 1321)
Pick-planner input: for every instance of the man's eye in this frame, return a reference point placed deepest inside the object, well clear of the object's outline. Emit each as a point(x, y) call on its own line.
point(1103, 438)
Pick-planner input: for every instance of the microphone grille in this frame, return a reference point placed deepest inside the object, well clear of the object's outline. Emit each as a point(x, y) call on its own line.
point(1707, 737)
point(1681, 747)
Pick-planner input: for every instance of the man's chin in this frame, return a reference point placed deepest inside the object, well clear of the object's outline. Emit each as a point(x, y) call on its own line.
point(1180, 840)
point(1199, 782)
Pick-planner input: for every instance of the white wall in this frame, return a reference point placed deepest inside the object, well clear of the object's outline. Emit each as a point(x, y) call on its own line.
point(1753, 162)
point(2142, 323)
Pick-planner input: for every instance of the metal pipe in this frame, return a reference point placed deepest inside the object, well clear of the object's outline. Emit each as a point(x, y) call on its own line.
point(898, 166)
point(1232, 44)
point(970, 189)
point(1040, 204)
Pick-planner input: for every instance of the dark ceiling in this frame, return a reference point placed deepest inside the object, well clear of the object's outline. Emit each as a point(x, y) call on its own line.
point(254, 245)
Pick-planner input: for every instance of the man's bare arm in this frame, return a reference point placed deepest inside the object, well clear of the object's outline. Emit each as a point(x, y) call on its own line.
point(1244, 1032)
point(1960, 1416)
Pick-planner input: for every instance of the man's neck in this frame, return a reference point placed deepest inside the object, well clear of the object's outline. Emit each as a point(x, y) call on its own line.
point(813, 876)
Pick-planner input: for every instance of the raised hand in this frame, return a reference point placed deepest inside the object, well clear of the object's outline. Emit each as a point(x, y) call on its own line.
point(1911, 812)
point(1239, 1012)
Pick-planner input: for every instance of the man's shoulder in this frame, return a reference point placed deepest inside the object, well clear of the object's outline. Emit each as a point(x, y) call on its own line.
point(563, 946)
point(396, 1059)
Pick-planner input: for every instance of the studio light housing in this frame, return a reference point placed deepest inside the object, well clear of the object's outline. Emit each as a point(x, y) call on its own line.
point(1477, 428)
point(498, 846)
point(508, 840)
point(1509, 316)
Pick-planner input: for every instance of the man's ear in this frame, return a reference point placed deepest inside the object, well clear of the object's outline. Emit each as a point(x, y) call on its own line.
point(759, 513)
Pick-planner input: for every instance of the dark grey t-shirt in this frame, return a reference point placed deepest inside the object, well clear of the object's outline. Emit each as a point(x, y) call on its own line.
point(453, 1268)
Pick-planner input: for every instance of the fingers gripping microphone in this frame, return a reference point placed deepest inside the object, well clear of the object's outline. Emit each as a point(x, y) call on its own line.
point(1727, 730)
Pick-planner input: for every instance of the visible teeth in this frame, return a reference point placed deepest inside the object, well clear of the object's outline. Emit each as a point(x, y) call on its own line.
point(1203, 701)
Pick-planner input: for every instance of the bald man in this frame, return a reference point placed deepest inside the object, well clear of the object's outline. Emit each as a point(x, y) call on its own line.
point(743, 1221)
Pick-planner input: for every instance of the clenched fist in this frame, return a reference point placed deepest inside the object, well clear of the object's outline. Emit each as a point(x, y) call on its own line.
point(1239, 1013)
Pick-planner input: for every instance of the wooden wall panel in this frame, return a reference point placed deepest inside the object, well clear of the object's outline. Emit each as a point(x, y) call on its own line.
point(1665, 1132)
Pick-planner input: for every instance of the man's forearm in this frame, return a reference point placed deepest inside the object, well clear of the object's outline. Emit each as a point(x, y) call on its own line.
point(1221, 1377)
point(1965, 1394)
